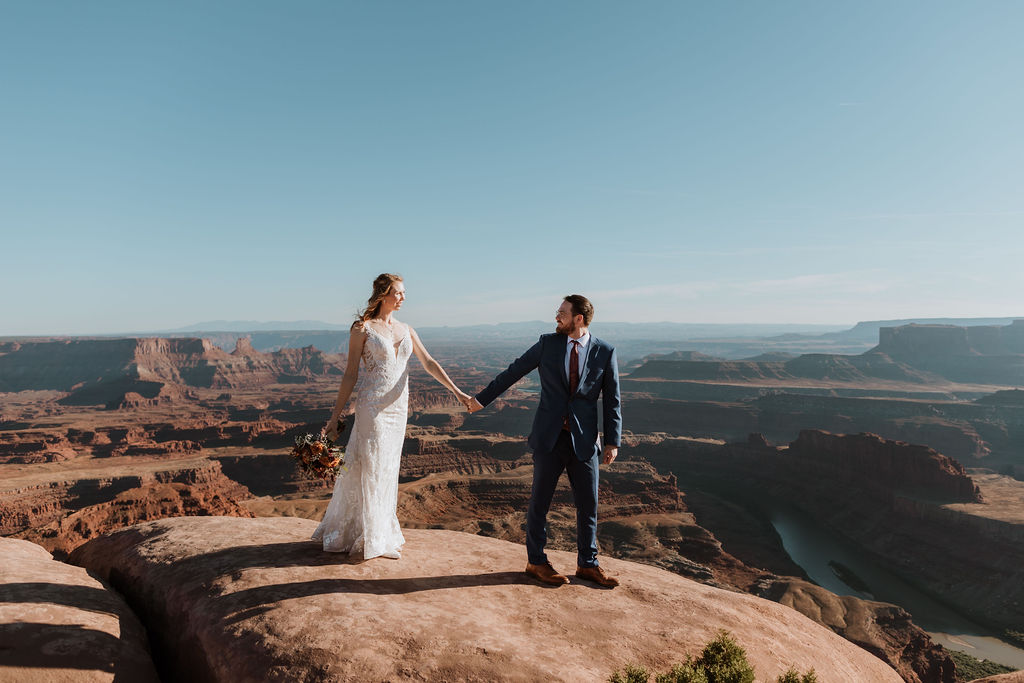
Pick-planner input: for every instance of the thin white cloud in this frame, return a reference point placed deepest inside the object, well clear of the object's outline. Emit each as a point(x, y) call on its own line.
point(682, 290)
point(644, 193)
point(847, 283)
point(930, 214)
point(856, 283)
point(733, 253)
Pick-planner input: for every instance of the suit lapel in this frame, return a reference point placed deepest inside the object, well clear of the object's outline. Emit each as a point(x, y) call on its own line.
point(591, 363)
point(559, 359)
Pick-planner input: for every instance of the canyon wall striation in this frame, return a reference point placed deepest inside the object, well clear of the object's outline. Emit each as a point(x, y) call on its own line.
point(61, 510)
point(915, 510)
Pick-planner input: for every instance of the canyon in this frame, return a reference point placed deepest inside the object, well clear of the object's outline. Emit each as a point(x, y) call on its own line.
point(905, 450)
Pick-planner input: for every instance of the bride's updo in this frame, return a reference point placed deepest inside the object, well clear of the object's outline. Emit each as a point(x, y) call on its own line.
point(381, 288)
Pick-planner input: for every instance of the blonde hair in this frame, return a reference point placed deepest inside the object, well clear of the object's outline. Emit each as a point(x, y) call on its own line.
point(382, 285)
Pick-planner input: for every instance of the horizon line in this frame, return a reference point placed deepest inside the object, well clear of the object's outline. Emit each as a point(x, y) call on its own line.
point(339, 328)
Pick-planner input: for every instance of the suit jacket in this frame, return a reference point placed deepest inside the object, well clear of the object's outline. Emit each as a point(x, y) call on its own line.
point(601, 379)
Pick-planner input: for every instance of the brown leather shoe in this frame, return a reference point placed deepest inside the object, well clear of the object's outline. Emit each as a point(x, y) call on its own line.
point(545, 573)
point(597, 575)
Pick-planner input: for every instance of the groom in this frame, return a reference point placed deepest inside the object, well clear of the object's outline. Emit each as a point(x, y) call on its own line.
point(575, 368)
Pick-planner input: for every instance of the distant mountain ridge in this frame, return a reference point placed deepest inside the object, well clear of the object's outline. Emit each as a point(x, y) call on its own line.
point(913, 353)
point(659, 330)
point(865, 330)
point(869, 330)
point(634, 341)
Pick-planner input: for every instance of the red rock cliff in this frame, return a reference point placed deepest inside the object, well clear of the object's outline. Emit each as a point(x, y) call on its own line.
point(104, 371)
point(876, 463)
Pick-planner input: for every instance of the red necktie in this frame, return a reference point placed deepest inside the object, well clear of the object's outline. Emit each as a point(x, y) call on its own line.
point(574, 368)
point(574, 375)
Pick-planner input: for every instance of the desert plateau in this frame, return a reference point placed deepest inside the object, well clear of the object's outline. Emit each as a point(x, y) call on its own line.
point(859, 513)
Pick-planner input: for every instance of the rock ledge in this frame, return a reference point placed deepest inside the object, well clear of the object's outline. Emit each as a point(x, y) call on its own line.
point(229, 599)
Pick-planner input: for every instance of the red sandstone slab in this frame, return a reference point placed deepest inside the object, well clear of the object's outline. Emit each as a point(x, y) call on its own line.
point(250, 599)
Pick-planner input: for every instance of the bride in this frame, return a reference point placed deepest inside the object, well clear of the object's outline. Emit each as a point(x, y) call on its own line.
point(361, 519)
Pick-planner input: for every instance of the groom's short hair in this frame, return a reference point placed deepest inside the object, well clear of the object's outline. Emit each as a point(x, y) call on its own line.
point(581, 306)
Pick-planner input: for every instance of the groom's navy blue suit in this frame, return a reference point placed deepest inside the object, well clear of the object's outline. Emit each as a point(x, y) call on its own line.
point(576, 449)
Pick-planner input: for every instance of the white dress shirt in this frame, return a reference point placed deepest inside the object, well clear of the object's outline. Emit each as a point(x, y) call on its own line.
point(584, 344)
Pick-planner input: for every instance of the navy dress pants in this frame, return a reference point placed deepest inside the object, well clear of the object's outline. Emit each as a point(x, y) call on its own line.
point(547, 468)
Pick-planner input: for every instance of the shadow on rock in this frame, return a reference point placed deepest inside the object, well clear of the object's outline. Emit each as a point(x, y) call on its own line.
point(79, 597)
point(56, 646)
point(252, 602)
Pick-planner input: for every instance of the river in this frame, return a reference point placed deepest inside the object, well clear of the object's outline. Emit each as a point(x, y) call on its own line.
point(825, 557)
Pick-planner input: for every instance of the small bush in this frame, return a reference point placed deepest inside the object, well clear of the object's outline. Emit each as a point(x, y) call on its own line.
point(968, 668)
point(724, 661)
point(793, 676)
point(631, 674)
point(721, 661)
point(687, 672)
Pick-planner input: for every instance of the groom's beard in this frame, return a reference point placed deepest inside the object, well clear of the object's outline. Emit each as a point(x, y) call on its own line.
point(565, 329)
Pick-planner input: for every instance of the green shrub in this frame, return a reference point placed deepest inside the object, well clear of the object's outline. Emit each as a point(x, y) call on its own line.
point(631, 674)
point(793, 676)
point(721, 661)
point(724, 661)
point(968, 668)
point(687, 672)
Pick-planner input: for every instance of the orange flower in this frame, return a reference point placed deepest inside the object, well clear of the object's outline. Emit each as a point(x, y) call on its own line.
point(317, 448)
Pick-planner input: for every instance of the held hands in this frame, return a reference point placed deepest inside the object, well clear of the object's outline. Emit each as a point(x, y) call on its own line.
point(472, 405)
point(463, 397)
point(610, 453)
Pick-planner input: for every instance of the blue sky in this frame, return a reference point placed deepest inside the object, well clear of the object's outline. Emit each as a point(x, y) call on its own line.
point(803, 162)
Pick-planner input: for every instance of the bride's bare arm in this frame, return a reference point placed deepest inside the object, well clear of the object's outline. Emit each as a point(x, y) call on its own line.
point(435, 369)
point(356, 339)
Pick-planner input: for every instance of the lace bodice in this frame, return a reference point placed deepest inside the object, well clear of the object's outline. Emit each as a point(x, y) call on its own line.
point(384, 365)
point(361, 515)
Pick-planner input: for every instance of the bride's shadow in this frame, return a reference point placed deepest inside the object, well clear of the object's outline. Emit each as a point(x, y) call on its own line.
point(252, 602)
point(249, 602)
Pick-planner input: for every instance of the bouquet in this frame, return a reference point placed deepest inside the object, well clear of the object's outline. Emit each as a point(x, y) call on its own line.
point(318, 456)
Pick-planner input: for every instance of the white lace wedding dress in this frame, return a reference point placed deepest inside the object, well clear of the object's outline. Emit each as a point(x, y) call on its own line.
point(360, 518)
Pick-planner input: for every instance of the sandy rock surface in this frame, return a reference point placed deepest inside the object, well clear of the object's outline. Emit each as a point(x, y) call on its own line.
point(1013, 677)
point(229, 599)
point(880, 628)
point(57, 623)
